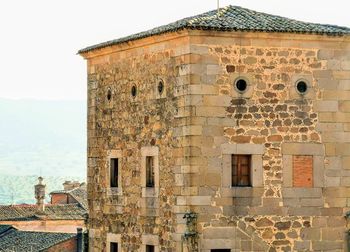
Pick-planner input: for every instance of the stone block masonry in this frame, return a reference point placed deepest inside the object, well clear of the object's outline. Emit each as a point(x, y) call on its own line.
point(298, 144)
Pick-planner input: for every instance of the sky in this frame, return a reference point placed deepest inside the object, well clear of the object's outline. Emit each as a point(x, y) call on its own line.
point(40, 38)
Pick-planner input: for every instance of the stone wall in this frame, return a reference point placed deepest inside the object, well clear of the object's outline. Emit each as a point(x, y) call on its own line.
point(273, 216)
point(127, 128)
point(200, 121)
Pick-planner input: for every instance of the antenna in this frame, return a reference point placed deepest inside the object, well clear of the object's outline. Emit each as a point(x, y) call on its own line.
point(218, 4)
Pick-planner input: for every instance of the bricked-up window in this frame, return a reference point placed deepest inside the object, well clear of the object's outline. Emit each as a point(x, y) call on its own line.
point(149, 171)
point(302, 171)
point(114, 172)
point(241, 170)
point(114, 247)
point(149, 248)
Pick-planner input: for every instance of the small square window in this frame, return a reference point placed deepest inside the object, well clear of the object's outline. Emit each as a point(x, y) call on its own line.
point(114, 172)
point(149, 248)
point(149, 171)
point(113, 247)
point(241, 175)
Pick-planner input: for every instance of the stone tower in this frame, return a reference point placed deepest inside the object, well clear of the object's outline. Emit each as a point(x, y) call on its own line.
point(40, 195)
point(227, 131)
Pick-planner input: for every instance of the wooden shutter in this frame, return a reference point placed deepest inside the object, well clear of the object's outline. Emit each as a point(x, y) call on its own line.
point(241, 175)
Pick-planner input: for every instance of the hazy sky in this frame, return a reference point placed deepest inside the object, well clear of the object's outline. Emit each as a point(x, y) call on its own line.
point(40, 38)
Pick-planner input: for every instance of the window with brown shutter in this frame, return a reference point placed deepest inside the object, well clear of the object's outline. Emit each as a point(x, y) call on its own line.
point(114, 172)
point(302, 171)
point(149, 171)
point(241, 175)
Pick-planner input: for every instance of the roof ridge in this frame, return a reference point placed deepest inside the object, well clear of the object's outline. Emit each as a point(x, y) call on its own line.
point(44, 232)
point(219, 12)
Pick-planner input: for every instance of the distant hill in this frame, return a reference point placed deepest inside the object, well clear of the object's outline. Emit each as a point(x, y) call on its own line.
point(42, 137)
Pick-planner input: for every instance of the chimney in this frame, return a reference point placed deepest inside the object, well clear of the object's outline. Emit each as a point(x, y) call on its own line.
point(70, 185)
point(79, 239)
point(40, 195)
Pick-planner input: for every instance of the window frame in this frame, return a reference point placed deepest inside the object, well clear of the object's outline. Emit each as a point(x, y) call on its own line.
point(147, 151)
point(316, 150)
point(149, 240)
point(113, 238)
point(256, 152)
point(114, 154)
point(157, 94)
point(294, 94)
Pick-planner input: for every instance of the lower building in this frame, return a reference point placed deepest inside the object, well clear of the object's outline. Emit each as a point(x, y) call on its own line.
point(12, 240)
point(59, 226)
point(60, 217)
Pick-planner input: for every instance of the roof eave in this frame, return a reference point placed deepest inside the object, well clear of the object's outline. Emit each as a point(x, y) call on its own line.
point(85, 51)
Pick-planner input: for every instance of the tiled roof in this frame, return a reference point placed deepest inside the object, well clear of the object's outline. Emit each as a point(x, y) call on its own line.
point(16, 240)
point(5, 228)
point(79, 194)
point(52, 212)
point(233, 18)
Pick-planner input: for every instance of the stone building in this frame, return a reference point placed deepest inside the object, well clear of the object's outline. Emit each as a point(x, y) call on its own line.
point(59, 216)
point(226, 131)
point(12, 240)
point(73, 193)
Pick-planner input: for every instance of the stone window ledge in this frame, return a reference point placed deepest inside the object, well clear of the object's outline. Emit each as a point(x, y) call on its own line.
point(242, 192)
point(150, 192)
point(114, 191)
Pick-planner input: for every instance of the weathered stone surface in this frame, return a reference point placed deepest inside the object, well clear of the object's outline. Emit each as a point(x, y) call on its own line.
point(327, 245)
point(283, 225)
point(302, 245)
point(264, 222)
point(310, 233)
point(201, 118)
